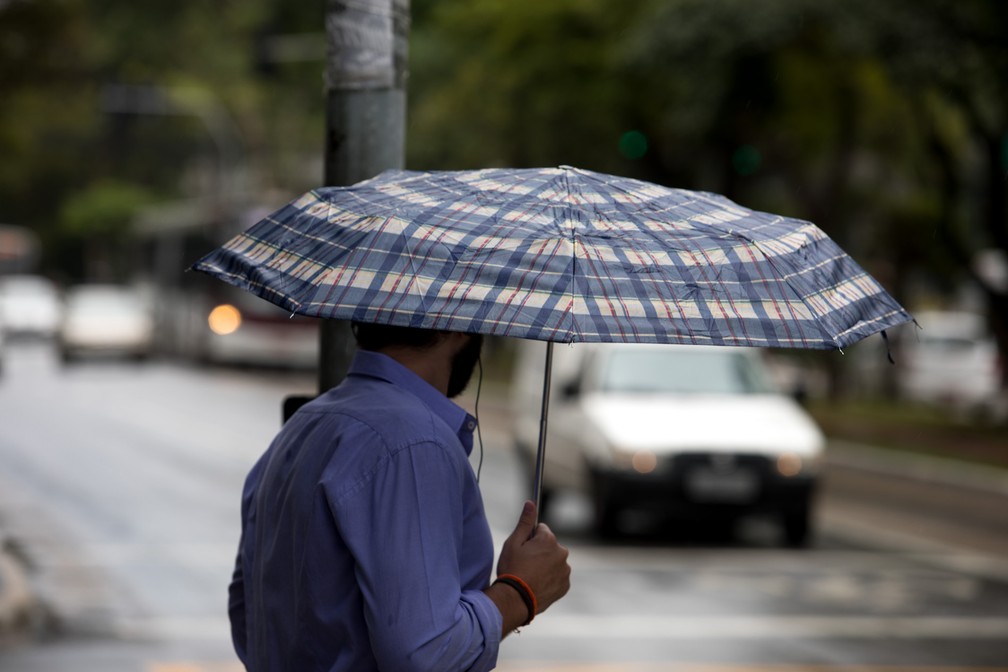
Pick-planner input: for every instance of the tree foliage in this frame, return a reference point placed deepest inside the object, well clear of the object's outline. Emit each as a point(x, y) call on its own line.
point(885, 123)
point(516, 83)
point(215, 105)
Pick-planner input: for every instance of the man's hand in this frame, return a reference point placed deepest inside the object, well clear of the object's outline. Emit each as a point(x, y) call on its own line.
point(532, 554)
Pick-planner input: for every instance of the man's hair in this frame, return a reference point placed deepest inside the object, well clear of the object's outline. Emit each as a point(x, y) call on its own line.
point(380, 336)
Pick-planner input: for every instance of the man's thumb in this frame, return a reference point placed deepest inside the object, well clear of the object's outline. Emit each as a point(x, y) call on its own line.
point(526, 521)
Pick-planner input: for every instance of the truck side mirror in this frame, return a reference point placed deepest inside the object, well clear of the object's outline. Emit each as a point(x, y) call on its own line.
point(570, 390)
point(800, 394)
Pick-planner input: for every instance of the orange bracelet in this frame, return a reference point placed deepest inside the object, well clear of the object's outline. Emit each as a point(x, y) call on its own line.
point(524, 591)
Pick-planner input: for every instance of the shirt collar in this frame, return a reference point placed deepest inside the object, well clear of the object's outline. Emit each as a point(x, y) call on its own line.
point(383, 367)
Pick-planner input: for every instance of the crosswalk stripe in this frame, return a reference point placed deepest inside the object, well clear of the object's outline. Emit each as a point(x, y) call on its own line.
point(192, 666)
point(570, 626)
point(543, 666)
point(656, 627)
point(670, 666)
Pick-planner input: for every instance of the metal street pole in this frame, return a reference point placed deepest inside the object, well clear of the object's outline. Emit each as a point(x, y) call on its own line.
point(366, 59)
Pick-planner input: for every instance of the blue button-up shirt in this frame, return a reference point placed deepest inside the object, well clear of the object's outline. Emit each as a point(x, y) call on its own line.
point(364, 541)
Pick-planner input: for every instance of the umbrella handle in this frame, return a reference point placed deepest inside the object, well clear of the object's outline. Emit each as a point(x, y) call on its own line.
point(541, 451)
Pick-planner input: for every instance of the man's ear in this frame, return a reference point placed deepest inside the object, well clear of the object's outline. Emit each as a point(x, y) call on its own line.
point(457, 339)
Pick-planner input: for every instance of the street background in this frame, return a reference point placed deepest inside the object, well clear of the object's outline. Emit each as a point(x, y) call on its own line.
point(137, 136)
point(120, 486)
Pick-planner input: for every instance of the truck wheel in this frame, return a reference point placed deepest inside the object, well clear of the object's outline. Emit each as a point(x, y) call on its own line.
point(545, 499)
point(797, 525)
point(607, 508)
point(528, 465)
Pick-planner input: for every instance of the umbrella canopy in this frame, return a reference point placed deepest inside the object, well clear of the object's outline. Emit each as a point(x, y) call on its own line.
point(560, 255)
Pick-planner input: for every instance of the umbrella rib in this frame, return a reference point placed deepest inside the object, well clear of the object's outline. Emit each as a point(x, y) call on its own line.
point(257, 284)
point(786, 277)
point(575, 334)
point(615, 300)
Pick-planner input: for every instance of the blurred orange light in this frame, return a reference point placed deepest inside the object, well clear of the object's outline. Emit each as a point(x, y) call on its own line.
point(224, 319)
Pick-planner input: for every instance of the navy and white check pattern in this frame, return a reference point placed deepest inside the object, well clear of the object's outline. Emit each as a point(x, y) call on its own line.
point(557, 254)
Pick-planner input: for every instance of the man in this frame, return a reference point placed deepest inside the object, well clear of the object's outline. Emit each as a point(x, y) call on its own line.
point(364, 541)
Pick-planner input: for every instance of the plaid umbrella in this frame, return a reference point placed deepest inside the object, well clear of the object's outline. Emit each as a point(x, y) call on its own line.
point(560, 255)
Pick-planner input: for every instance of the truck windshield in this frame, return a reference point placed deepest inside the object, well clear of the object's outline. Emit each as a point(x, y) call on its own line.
point(672, 371)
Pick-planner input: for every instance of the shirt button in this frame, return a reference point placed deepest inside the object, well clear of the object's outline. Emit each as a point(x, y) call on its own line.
point(470, 425)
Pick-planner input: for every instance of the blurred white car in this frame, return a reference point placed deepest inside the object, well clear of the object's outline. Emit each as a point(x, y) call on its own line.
point(698, 432)
point(952, 360)
point(105, 320)
point(29, 306)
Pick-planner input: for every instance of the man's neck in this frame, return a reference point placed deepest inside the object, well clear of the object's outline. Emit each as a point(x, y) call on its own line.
point(431, 364)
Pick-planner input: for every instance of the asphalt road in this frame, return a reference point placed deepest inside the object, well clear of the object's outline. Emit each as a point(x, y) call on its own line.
point(120, 485)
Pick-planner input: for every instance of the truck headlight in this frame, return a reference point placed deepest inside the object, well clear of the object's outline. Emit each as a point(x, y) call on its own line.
point(644, 462)
point(641, 461)
point(789, 465)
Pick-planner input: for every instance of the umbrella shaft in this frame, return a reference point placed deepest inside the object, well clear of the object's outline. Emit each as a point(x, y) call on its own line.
point(541, 452)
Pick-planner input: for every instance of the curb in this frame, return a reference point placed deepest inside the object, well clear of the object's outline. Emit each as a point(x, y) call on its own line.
point(19, 607)
point(918, 467)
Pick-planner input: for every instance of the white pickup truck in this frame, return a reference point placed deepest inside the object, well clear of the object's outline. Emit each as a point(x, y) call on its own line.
point(694, 431)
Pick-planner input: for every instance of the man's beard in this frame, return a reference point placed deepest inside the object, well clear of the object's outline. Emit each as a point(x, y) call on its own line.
point(463, 364)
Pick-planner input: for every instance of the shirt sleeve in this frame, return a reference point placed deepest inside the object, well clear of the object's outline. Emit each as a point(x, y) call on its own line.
point(236, 609)
point(236, 589)
point(404, 526)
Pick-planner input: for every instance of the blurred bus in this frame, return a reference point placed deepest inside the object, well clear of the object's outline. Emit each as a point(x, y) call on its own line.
point(203, 319)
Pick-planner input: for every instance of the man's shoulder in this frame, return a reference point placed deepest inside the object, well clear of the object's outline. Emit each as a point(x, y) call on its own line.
point(386, 410)
point(358, 435)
